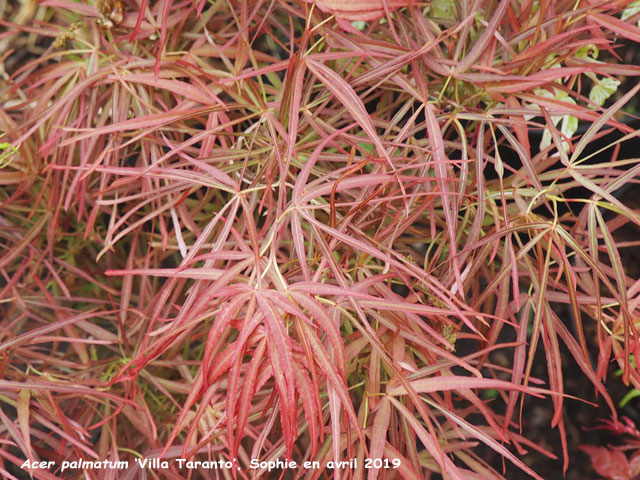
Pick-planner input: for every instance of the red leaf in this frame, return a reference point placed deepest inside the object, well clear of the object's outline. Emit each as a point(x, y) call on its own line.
point(611, 464)
point(623, 29)
point(280, 347)
point(247, 392)
point(310, 400)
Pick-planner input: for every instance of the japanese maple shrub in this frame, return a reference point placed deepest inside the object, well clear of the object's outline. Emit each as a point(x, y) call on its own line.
point(257, 230)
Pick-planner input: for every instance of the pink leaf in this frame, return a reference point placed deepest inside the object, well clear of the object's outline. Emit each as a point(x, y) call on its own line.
point(352, 10)
point(623, 29)
point(379, 434)
point(634, 465)
point(611, 464)
point(349, 98)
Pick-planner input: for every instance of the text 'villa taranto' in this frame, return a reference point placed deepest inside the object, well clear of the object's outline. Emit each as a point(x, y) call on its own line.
point(153, 463)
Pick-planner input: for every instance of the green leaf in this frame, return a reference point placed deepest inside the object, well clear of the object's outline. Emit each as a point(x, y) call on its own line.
point(631, 394)
point(443, 9)
point(359, 24)
point(6, 151)
point(603, 89)
point(490, 394)
point(588, 52)
point(632, 9)
point(569, 122)
point(569, 125)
